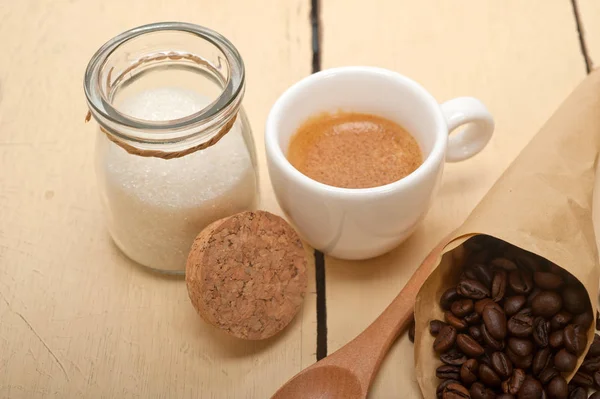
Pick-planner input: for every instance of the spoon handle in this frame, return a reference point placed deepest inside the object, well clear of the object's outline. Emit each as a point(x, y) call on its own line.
point(366, 352)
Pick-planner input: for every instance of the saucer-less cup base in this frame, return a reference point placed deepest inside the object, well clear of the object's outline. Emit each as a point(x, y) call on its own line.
point(364, 223)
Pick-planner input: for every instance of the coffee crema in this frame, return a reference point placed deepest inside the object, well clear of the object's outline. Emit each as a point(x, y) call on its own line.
point(353, 150)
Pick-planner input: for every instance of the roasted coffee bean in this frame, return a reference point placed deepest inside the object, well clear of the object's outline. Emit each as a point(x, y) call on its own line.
point(504, 263)
point(520, 282)
point(449, 296)
point(591, 364)
point(560, 320)
point(514, 383)
point(528, 261)
point(475, 332)
point(411, 331)
point(534, 292)
point(455, 391)
point(582, 379)
point(445, 339)
point(491, 341)
point(462, 307)
point(565, 361)
point(435, 326)
point(584, 319)
point(484, 303)
point(595, 395)
point(541, 360)
point(531, 389)
point(501, 364)
point(575, 339)
point(485, 358)
point(468, 274)
point(488, 376)
point(556, 339)
point(522, 362)
point(521, 324)
point(575, 299)
point(546, 304)
point(514, 304)
point(541, 331)
point(595, 346)
point(578, 393)
point(520, 346)
point(447, 372)
point(555, 269)
point(469, 346)
point(596, 377)
point(454, 321)
point(499, 285)
point(479, 391)
point(468, 371)
point(481, 304)
point(440, 389)
point(472, 289)
point(511, 314)
point(495, 322)
point(483, 273)
point(547, 374)
point(548, 280)
point(557, 388)
point(472, 318)
point(453, 357)
point(475, 259)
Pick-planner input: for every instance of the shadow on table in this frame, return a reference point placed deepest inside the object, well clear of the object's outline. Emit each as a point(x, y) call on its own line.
point(201, 338)
point(138, 268)
point(227, 346)
point(399, 262)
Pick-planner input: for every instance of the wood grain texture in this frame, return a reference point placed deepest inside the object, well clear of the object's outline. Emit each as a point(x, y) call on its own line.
point(520, 65)
point(77, 319)
point(589, 19)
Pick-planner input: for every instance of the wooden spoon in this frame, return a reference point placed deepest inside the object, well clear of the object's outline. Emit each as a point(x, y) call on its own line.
point(349, 372)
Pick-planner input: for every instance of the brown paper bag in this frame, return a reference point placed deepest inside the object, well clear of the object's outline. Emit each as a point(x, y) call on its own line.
point(542, 204)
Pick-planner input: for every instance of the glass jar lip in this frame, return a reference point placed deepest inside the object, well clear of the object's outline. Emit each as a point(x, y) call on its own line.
point(234, 85)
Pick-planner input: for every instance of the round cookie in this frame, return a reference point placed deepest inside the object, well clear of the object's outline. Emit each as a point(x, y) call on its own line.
point(246, 274)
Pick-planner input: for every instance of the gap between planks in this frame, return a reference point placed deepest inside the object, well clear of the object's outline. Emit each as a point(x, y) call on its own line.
point(321, 352)
point(581, 36)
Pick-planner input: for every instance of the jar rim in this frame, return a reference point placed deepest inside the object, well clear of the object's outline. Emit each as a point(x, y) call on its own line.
point(104, 111)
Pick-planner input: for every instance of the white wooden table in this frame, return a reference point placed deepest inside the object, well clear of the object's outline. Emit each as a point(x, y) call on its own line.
point(77, 319)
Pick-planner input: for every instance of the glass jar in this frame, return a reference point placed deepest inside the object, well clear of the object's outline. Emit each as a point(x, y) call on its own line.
point(174, 149)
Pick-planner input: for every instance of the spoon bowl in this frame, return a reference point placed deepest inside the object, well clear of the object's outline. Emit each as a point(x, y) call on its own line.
point(316, 383)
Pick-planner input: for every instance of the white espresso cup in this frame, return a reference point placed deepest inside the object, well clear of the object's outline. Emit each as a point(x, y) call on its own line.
point(367, 222)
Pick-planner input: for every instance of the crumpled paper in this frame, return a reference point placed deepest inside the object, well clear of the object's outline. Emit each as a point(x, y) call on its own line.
point(542, 204)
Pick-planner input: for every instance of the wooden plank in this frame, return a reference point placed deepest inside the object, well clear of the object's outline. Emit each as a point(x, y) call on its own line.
point(77, 319)
point(521, 66)
point(589, 20)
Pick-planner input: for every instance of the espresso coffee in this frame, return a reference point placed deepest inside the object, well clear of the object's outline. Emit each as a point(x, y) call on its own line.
point(354, 150)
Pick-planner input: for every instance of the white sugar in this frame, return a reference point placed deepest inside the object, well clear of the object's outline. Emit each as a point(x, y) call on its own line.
point(163, 104)
point(157, 206)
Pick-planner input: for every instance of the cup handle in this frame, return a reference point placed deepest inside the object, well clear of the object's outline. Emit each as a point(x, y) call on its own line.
point(475, 136)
